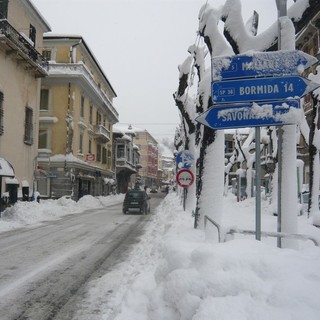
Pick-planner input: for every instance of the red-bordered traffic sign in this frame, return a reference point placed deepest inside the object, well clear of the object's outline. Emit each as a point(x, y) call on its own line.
point(185, 178)
point(90, 157)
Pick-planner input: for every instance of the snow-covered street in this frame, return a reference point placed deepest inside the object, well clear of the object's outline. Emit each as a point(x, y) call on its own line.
point(45, 266)
point(173, 272)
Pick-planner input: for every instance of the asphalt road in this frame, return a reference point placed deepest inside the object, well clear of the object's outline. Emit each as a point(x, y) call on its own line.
point(44, 269)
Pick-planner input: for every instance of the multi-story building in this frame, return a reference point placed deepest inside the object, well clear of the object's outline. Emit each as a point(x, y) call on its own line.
point(148, 147)
point(166, 167)
point(22, 67)
point(76, 119)
point(127, 156)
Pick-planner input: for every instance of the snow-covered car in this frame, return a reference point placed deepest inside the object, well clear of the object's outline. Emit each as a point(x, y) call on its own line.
point(136, 200)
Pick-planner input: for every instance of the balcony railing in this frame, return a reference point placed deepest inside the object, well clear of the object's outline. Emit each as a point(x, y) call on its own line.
point(102, 133)
point(19, 43)
point(122, 163)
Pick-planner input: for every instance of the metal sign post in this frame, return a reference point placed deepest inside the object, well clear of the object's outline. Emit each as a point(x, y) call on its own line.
point(258, 185)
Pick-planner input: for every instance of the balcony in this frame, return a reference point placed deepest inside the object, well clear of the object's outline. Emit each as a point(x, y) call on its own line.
point(101, 133)
point(16, 43)
point(123, 164)
point(83, 77)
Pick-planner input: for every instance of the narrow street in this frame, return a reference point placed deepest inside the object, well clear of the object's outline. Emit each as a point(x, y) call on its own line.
point(44, 268)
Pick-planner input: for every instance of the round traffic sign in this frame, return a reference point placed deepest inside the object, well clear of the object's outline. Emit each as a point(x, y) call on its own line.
point(185, 178)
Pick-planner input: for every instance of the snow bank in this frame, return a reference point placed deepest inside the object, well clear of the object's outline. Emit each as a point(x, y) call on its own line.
point(30, 213)
point(186, 277)
point(175, 273)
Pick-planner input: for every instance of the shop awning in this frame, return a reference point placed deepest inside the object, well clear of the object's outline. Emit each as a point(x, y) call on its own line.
point(6, 169)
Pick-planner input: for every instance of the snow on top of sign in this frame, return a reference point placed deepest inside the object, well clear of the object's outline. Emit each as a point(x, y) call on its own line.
point(218, 65)
point(282, 59)
point(277, 62)
point(266, 111)
point(292, 116)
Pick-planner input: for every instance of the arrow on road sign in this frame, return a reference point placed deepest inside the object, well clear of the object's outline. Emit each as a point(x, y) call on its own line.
point(262, 64)
point(261, 89)
point(271, 113)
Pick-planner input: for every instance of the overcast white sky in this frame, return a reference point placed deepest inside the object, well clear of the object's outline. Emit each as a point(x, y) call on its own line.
point(139, 44)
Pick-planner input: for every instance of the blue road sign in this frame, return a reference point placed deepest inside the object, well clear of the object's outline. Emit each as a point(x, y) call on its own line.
point(261, 89)
point(262, 64)
point(184, 159)
point(269, 113)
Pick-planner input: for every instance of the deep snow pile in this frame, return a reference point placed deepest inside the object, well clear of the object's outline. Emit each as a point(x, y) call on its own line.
point(30, 213)
point(175, 273)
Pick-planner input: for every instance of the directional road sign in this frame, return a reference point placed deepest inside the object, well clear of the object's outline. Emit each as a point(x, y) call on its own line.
point(271, 113)
point(262, 64)
point(185, 178)
point(261, 89)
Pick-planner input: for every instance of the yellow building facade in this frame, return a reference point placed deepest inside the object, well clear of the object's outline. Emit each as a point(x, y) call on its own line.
point(76, 118)
point(22, 66)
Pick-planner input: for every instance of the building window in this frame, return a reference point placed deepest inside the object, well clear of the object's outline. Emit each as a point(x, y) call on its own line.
point(90, 146)
point(120, 151)
point(98, 118)
point(46, 54)
point(228, 146)
point(104, 155)
point(44, 100)
point(3, 9)
point(90, 114)
point(109, 159)
point(32, 34)
point(28, 126)
point(81, 143)
point(1, 113)
point(98, 152)
point(82, 107)
point(43, 139)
